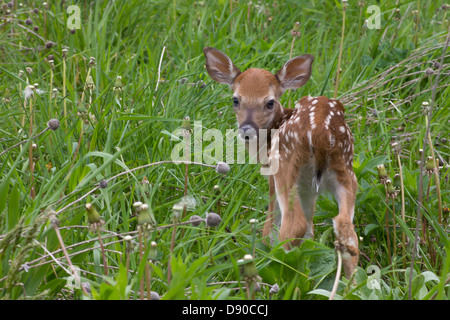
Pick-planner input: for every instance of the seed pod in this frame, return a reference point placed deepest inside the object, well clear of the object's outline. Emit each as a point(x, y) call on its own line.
point(397, 182)
point(249, 267)
point(213, 219)
point(186, 124)
point(103, 184)
point(392, 193)
point(222, 167)
point(154, 295)
point(152, 254)
point(53, 124)
point(118, 85)
point(177, 210)
point(94, 218)
point(90, 83)
point(144, 215)
point(430, 165)
point(382, 174)
point(195, 220)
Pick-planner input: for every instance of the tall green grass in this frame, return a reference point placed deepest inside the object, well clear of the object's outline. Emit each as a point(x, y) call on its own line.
point(108, 129)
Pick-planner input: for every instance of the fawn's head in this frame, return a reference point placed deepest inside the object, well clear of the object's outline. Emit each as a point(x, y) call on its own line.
point(256, 92)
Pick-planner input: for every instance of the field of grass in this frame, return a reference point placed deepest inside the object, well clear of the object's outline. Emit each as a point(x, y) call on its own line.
point(132, 72)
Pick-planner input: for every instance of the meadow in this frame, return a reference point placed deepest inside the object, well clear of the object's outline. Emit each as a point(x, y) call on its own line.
point(92, 206)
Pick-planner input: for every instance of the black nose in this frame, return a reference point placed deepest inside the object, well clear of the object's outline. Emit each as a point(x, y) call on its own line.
point(247, 132)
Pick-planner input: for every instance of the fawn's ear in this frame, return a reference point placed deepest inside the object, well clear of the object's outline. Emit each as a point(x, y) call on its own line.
point(219, 66)
point(296, 72)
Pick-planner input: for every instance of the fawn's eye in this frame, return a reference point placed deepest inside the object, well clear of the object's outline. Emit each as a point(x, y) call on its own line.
point(235, 102)
point(270, 104)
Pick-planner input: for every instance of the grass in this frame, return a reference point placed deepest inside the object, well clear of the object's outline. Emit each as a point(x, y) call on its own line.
point(117, 115)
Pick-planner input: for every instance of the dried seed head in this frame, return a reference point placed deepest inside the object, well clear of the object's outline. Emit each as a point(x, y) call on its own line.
point(103, 184)
point(213, 219)
point(222, 167)
point(274, 289)
point(201, 83)
point(28, 22)
point(53, 124)
point(86, 286)
point(49, 44)
point(154, 295)
point(429, 71)
point(92, 62)
point(28, 92)
point(436, 65)
point(195, 220)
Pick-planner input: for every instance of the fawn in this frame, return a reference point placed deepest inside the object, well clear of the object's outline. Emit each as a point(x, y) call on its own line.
point(313, 146)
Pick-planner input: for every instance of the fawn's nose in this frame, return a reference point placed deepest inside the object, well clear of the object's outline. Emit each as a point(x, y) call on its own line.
point(247, 132)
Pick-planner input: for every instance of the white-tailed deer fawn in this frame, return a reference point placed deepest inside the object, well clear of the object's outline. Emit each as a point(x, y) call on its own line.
point(313, 147)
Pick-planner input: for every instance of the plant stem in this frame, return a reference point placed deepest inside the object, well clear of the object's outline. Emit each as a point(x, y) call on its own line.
point(340, 52)
point(386, 217)
point(402, 192)
point(64, 91)
point(338, 275)
point(30, 154)
point(172, 245)
point(66, 255)
point(140, 256)
point(105, 265)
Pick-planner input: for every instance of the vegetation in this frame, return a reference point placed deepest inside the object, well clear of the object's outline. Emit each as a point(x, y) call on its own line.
point(91, 206)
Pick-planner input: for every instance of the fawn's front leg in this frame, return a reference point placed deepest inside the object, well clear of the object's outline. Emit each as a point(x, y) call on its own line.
point(293, 220)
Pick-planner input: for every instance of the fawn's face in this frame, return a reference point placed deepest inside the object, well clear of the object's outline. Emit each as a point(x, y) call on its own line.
point(256, 92)
point(255, 101)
